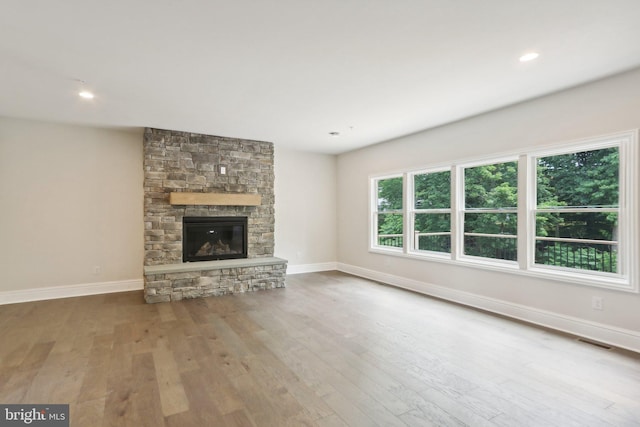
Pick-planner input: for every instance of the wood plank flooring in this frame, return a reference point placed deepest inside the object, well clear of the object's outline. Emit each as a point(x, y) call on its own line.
point(328, 350)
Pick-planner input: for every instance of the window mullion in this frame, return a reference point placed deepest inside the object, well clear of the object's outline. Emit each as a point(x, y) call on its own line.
point(457, 215)
point(526, 204)
point(409, 214)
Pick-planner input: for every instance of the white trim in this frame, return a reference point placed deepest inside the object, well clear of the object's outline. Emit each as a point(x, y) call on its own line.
point(629, 247)
point(488, 161)
point(374, 212)
point(311, 268)
point(559, 274)
point(527, 215)
point(618, 337)
point(625, 279)
point(413, 212)
point(456, 201)
point(585, 144)
point(407, 223)
point(69, 291)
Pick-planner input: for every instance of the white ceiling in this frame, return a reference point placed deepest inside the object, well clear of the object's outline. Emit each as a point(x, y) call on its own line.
point(291, 71)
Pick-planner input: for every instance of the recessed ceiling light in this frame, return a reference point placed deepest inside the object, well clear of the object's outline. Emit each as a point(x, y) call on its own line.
point(86, 94)
point(529, 56)
point(334, 133)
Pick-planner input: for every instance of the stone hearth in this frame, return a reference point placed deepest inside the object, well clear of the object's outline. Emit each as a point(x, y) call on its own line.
point(188, 162)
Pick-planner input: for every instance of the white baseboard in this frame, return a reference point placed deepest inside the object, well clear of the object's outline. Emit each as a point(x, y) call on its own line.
point(617, 337)
point(39, 294)
point(311, 268)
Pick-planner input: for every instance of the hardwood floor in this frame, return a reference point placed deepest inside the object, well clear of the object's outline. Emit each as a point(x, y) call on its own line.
point(329, 350)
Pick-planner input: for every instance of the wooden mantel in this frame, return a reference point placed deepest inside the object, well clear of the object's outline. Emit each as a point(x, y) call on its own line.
point(215, 199)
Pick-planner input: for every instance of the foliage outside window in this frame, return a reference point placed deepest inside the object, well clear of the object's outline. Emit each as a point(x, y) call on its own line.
point(432, 212)
point(577, 219)
point(577, 210)
point(491, 211)
point(389, 214)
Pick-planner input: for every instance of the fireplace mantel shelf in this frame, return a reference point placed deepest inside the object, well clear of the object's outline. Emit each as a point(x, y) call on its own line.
point(214, 199)
point(211, 265)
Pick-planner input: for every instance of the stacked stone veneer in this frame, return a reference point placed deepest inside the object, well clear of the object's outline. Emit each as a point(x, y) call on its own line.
point(220, 281)
point(181, 161)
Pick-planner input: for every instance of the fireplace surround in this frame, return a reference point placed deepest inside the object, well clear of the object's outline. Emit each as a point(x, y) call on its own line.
point(183, 162)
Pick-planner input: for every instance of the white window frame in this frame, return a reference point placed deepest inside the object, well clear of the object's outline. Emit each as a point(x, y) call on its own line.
point(626, 142)
point(412, 211)
point(628, 215)
point(462, 210)
point(373, 218)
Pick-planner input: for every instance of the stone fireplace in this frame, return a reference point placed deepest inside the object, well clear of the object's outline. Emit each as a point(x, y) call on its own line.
point(208, 187)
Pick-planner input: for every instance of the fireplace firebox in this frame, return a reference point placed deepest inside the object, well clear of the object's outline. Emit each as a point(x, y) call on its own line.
point(214, 238)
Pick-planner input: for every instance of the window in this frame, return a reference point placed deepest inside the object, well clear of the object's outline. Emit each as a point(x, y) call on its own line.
point(490, 212)
point(577, 210)
point(388, 215)
point(431, 214)
point(567, 212)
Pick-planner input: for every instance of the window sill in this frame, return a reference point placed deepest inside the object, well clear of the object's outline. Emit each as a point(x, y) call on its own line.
point(594, 280)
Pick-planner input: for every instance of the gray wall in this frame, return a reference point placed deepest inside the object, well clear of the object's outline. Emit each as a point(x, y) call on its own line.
point(599, 108)
point(71, 200)
point(306, 210)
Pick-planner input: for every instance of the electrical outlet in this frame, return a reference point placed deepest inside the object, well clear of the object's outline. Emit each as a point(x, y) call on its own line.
point(97, 270)
point(597, 303)
point(223, 170)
